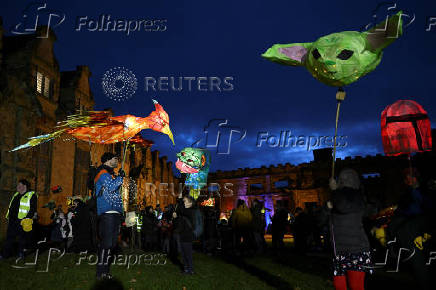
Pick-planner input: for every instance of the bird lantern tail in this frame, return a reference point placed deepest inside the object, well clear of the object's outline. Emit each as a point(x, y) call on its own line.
point(38, 140)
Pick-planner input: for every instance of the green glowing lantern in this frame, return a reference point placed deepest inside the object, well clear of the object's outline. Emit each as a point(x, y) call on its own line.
point(341, 58)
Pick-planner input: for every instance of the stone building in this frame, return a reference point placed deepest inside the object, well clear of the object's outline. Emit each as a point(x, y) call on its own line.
point(34, 96)
point(295, 186)
point(306, 185)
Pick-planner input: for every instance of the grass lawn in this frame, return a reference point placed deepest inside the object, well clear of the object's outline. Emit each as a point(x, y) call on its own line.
point(211, 273)
point(286, 270)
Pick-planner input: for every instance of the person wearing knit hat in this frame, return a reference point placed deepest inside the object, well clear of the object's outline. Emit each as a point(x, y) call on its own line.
point(107, 156)
point(109, 211)
point(352, 255)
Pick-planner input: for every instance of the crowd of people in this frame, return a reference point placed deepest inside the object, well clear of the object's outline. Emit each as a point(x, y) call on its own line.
point(347, 226)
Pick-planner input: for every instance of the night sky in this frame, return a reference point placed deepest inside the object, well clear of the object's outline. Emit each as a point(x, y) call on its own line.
point(225, 39)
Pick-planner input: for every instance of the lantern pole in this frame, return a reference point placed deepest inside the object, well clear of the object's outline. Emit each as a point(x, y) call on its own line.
point(340, 96)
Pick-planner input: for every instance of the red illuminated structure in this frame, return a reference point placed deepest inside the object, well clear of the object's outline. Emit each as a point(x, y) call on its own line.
point(405, 128)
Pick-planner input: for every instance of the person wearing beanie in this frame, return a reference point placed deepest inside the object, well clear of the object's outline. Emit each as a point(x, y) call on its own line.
point(22, 208)
point(109, 211)
point(352, 255)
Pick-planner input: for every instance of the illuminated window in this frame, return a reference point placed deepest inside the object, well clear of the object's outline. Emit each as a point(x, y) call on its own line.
point(47, 87)
point(39, 78)
point(43, 85)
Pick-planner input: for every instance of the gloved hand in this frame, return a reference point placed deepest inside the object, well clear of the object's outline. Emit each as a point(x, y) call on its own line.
point(380, 235)
point(418, 242)
point(421, 239)
point(121, 173)
point(27, 224)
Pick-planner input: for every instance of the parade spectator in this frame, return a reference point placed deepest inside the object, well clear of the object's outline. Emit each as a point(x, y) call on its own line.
point(150, 229)
point(184, 226)
point(137, 229)
point(81, 227)
point(352, 256)
point(58, 233)
point(322, 226)
point(166, 229)
point(22, 208)
point(225, 236)
point(259, 224)
point(412, 227)
point(279, 223)
point(210, 234)
point(241, 222)
point(301, 230)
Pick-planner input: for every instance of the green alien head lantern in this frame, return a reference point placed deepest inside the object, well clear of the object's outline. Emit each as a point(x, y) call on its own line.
point(339, 59)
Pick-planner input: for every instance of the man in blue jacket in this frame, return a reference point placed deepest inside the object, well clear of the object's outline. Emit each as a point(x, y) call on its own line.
point(109, 211)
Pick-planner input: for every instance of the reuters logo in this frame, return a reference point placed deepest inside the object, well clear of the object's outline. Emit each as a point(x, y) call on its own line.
point(119, 84)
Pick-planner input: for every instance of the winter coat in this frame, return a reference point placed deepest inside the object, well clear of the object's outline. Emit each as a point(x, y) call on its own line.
point(346, 217)
point(107, 189)
point(149, 224)
point(241, 218)
point(258, 222)
point(181, 225)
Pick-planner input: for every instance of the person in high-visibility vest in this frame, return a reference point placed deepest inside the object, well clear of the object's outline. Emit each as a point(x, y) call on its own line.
point(138, 234)
point(139, 222)
point(21, 211)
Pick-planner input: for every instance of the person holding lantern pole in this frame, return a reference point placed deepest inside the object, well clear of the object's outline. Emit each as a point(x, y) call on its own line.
point(352, 256)
point(109, 211)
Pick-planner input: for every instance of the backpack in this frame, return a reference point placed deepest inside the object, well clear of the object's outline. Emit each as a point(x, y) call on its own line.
point(198, 226)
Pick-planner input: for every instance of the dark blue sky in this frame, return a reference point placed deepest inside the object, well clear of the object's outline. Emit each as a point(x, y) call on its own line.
point(225, 38)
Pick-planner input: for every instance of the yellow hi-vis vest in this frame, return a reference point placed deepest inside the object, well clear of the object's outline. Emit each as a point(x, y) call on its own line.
point(24, 204)
point(139, 223)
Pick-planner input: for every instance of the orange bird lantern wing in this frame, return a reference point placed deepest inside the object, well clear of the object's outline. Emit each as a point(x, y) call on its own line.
point(140, 141)
point(100, 127)
point(405, 128)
